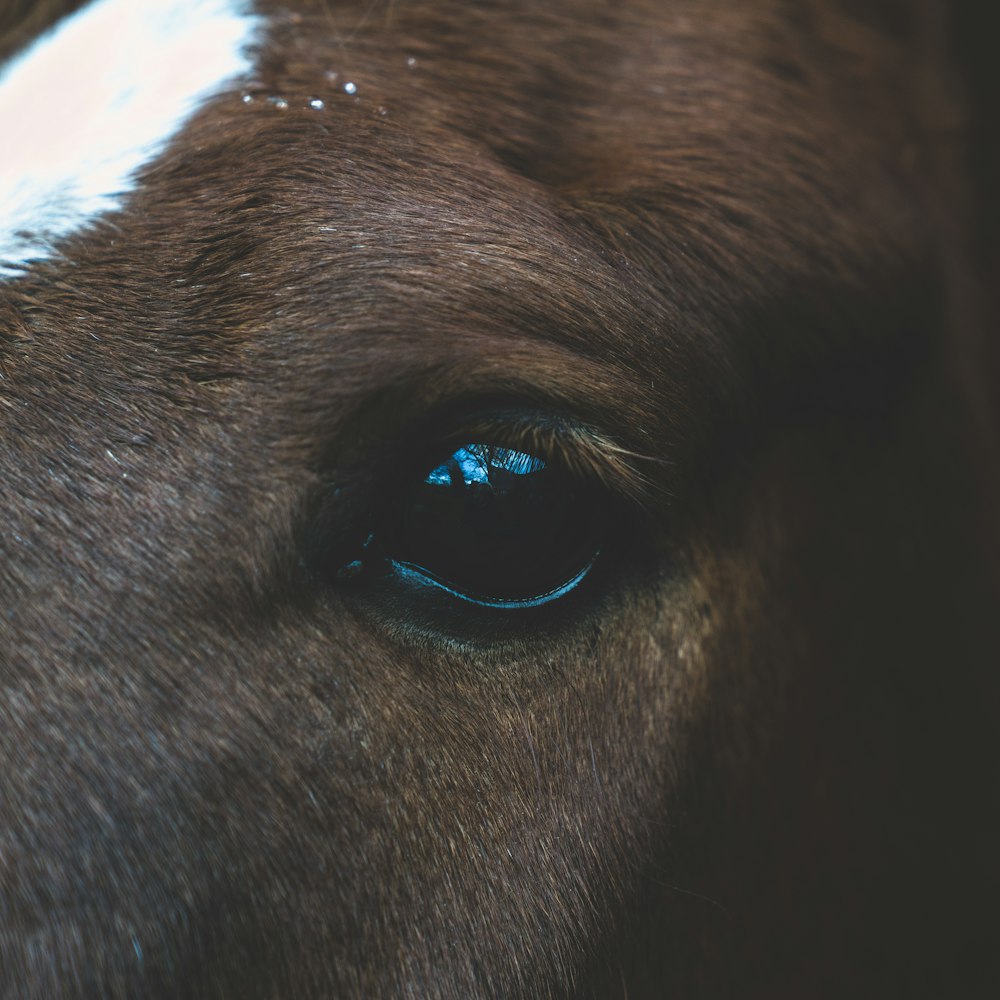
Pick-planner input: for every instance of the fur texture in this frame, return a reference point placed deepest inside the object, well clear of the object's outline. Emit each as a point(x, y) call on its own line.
point(737, 245)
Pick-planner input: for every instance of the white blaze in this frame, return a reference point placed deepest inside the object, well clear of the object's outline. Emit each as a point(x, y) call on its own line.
point(98, 96)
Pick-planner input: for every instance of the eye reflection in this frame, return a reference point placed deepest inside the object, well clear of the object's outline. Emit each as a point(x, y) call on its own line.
point(498, 527)
point(474, 463)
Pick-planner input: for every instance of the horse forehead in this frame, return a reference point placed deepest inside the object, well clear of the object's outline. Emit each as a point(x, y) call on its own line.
point(86, 106)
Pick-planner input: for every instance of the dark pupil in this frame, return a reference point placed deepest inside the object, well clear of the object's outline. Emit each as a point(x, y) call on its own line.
point(498, 524)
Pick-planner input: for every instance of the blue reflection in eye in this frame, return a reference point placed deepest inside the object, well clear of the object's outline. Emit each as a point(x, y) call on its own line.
point(441, 476)
point(475, 461)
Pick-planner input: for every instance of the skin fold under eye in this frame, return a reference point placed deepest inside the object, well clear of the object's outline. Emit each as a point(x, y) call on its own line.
point(497, 527)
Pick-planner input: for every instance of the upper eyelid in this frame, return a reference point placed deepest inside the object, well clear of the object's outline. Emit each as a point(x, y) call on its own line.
point(398, 438)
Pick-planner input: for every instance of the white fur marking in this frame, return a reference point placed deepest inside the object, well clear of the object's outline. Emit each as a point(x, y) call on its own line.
point(96, 98)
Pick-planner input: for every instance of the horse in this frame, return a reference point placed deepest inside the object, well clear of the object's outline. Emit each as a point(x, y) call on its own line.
point(498, 499)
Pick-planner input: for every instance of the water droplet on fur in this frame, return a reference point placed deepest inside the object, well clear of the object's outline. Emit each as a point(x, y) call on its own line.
point(316, 104)
point(248, 98)
point(278, 102)
point(411, 62)
point(350, 88)
point(383, 112)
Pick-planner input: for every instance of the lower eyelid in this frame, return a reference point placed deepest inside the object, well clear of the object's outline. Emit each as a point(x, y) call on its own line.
point(414, 575)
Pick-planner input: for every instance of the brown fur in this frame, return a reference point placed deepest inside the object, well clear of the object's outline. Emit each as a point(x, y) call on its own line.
point(735, 241)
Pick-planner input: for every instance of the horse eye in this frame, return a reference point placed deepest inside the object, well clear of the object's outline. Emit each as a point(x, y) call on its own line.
point(498, 527)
